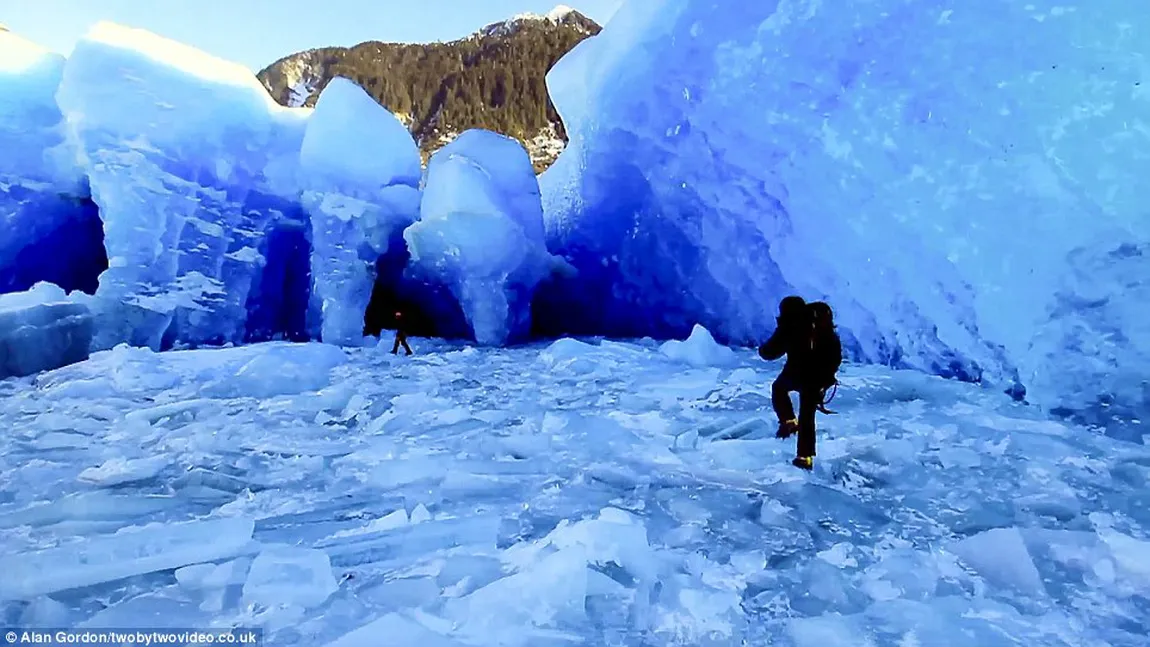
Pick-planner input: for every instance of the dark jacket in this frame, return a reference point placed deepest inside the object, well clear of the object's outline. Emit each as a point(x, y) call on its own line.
point(812, 358)
point(402, 325)
point(793, 340)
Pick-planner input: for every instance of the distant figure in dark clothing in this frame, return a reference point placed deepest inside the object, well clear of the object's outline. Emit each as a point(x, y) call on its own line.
point(400, 335)
point(805, 334)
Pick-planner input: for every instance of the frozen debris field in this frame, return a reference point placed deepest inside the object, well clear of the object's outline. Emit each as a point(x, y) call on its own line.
point(576, 493)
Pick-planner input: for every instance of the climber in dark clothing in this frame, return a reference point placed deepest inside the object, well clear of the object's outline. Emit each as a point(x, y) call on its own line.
point(808, 346)
point(400, 335)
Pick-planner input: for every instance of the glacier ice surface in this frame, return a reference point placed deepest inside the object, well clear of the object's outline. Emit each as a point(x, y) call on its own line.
point(49, 227)
point(554, 494)
point(190, 162)
point(961, 182)
point(480, 232)
point(360, 174)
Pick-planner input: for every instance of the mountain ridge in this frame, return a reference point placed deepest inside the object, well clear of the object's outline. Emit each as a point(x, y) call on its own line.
point(494, 78)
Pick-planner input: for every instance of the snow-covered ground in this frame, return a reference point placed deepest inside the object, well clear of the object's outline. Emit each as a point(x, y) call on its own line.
point(569, 494)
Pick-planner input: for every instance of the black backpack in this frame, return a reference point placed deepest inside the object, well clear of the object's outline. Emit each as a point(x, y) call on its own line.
point(828, 350)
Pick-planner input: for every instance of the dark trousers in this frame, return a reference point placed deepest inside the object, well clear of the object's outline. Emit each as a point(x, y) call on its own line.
point(809, 400)
point(400, 338)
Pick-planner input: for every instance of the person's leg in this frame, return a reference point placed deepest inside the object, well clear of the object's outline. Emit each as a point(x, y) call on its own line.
point(784, 408)
point(781, 398)
point(395, 346)
point(405, 346)
point(809, 400)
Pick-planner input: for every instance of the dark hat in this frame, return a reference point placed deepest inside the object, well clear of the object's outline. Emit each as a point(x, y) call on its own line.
point(792, 306)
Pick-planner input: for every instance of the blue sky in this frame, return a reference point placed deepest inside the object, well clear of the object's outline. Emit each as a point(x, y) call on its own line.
point(257, 32)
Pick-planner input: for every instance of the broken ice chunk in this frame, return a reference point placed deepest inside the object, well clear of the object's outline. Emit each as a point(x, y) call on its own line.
point(131, 551)
point(290, 576)
point(1000, 556)
point(117, 471)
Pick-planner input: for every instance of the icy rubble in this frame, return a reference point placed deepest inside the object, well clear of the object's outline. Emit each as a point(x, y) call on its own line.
point(596, 492)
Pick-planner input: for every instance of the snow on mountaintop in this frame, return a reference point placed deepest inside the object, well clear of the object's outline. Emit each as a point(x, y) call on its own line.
point(559, 12)
point(556, 16)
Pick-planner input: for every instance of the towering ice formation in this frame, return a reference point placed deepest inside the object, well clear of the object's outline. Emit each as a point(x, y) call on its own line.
point(481, 232)
point(360, 173)
point(49, 229)
point(189, 160)
point(932, 169)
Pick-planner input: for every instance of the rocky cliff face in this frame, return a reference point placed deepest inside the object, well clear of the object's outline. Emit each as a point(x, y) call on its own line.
point(493, 79)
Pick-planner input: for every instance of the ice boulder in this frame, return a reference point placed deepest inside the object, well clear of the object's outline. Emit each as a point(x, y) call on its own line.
point(360, 176)
point(40, 330)
point(276, 369)
point(184, 152)
point(699, 350)
point(284, 575)
point(49, 228)
point(1000, 555)
point(927, 169)
point(481, 232)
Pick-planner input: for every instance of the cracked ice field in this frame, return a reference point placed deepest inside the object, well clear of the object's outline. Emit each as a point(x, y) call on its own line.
point(598, 494)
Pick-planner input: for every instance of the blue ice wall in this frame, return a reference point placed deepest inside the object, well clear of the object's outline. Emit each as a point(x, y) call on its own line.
point(49, 237)
point(428, 306)
point(278, 303)
point(49, 230)
point(929, 167)
point(175, 143)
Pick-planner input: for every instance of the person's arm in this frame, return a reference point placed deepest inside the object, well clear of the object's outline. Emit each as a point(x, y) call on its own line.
point(775, 347)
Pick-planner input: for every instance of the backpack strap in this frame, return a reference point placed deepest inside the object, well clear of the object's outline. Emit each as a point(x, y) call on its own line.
point(825, 400)
point(834, 391)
